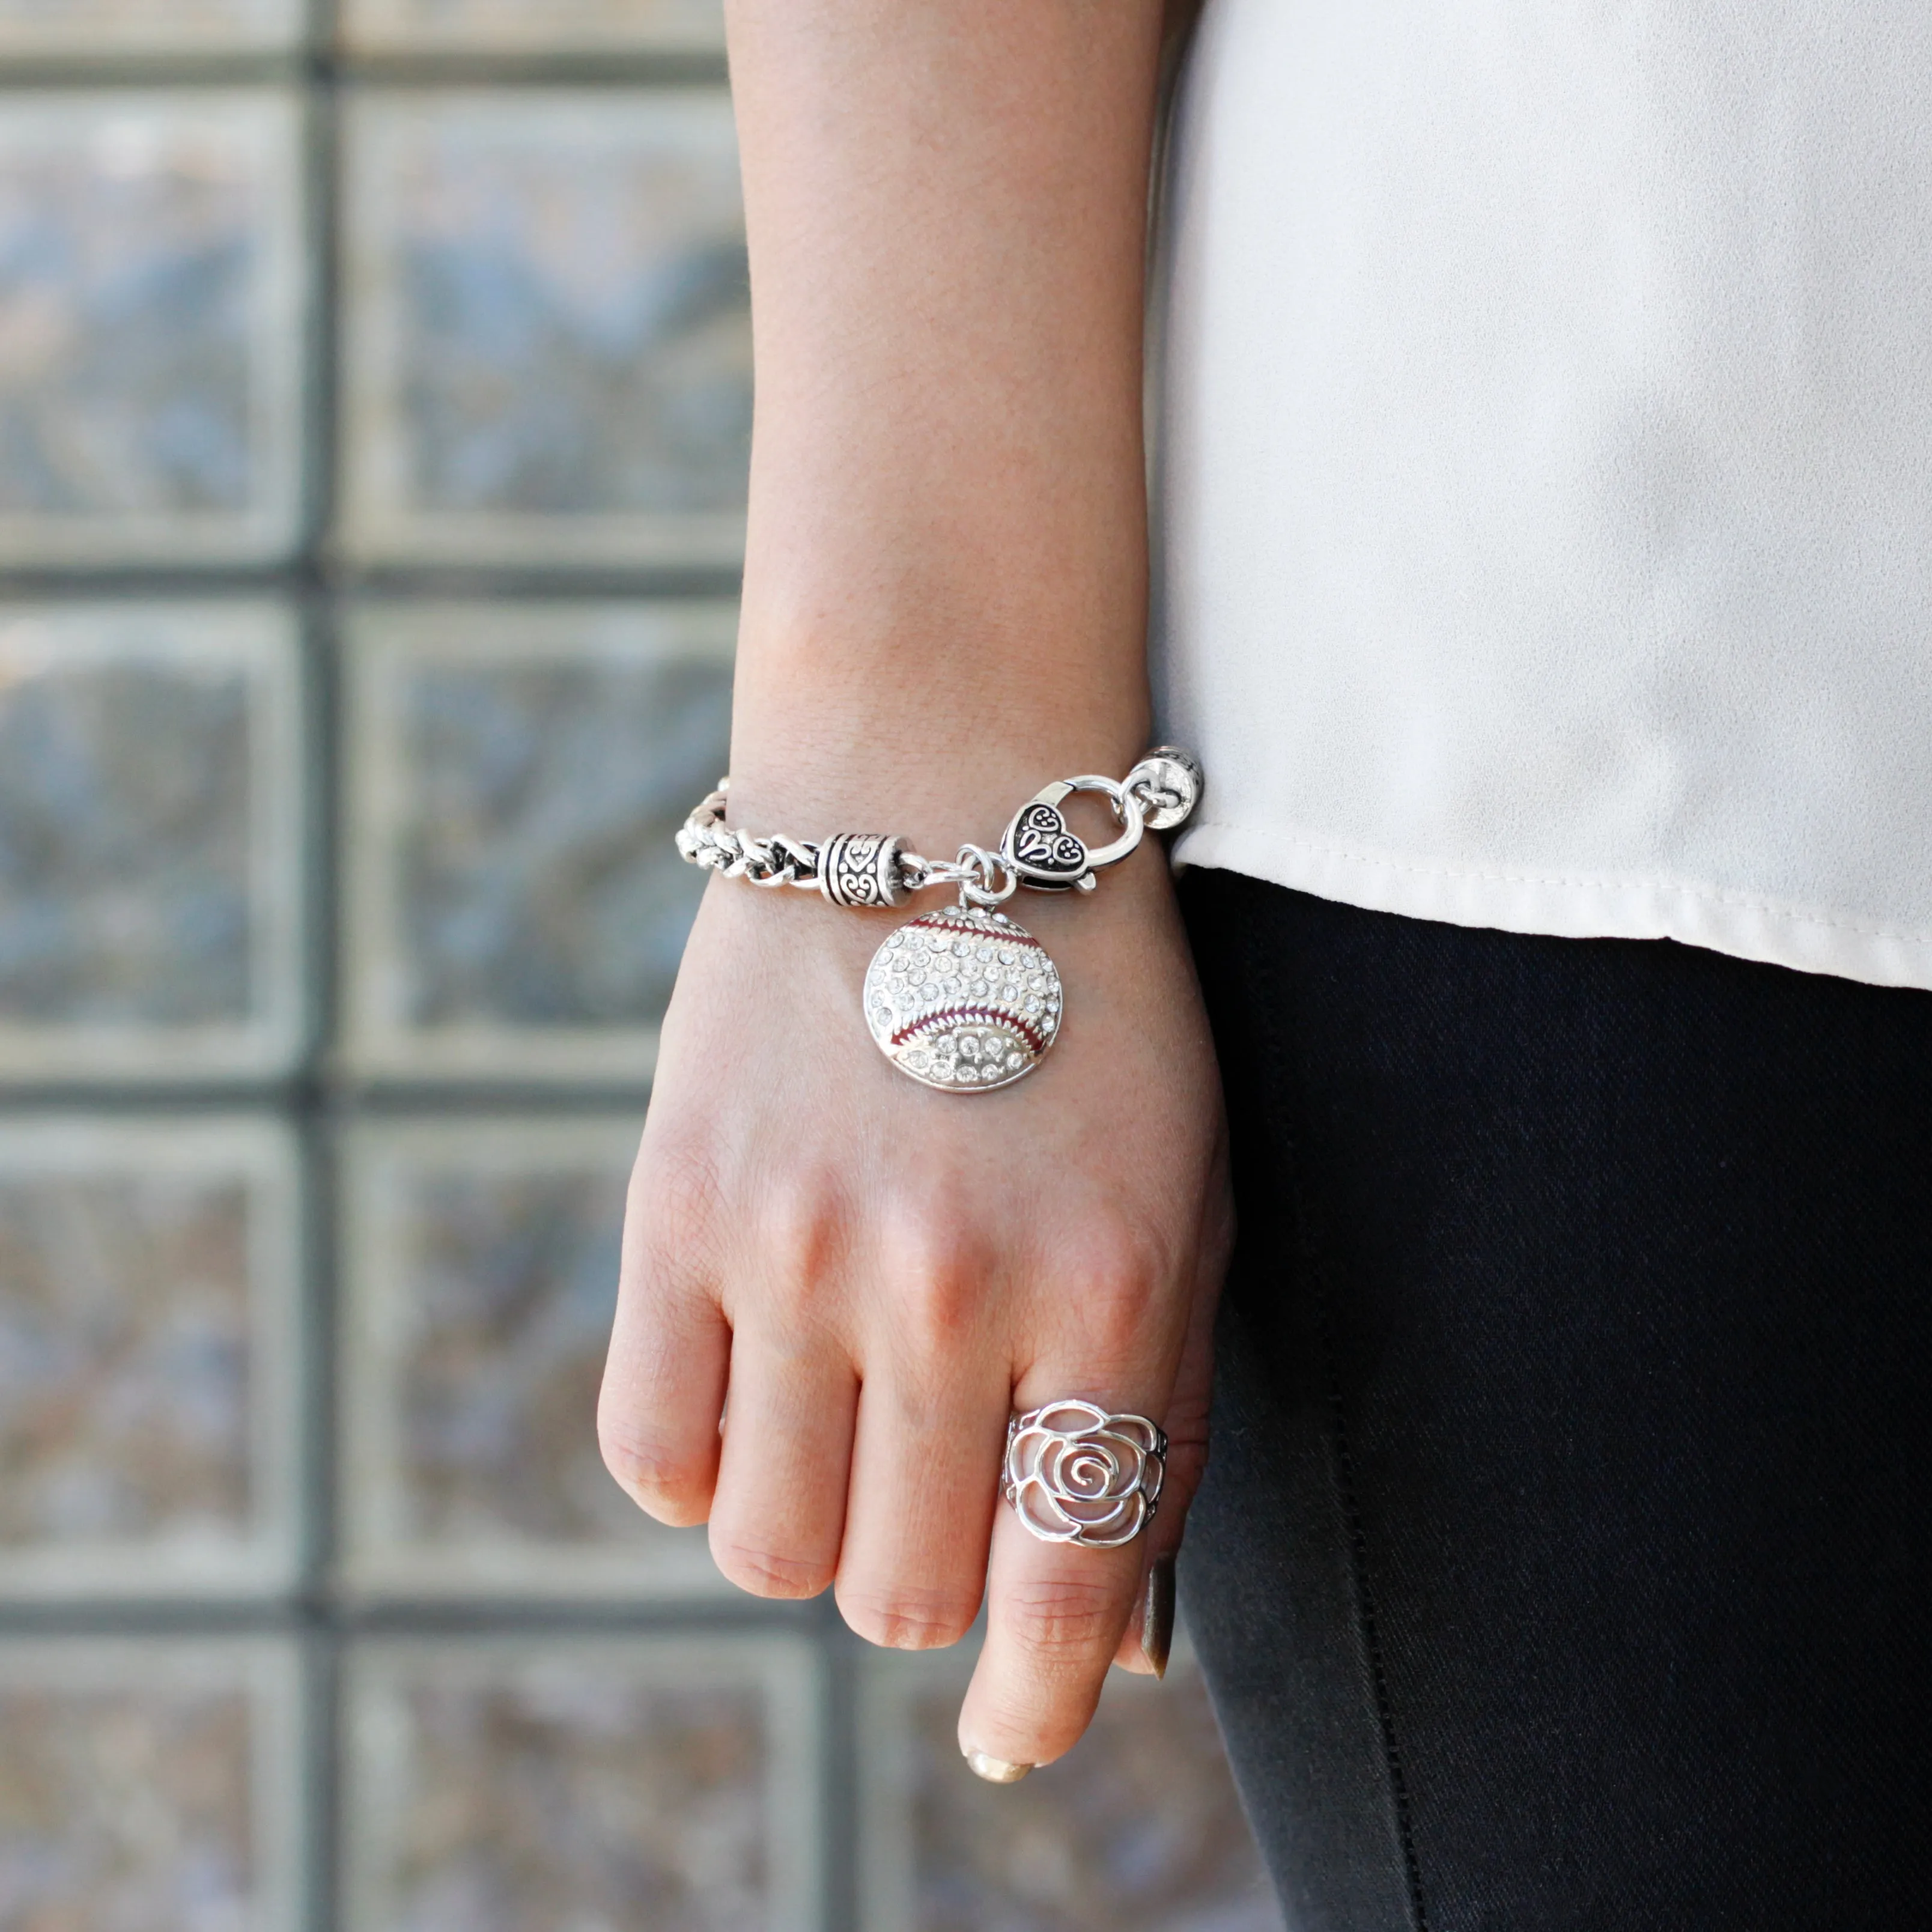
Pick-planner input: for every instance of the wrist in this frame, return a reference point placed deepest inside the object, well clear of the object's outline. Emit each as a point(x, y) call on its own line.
point(938, 789)
point(924, 713)
point(1058, 839)
point(962, 998)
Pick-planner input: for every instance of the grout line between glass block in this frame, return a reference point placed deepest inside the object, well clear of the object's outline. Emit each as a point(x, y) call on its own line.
point(323, 65)
point(322, 154)
point(593, 71)
point(156, 72)
point(841, 1776)
point(321, 1661)
point(318, 1485)
point(338, 581)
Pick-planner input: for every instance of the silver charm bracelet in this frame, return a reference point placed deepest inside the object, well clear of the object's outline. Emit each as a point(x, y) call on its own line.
point(963, 1000)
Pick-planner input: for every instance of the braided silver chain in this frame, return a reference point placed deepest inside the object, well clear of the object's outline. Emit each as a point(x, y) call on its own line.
point(704, 839)
point(877, 869)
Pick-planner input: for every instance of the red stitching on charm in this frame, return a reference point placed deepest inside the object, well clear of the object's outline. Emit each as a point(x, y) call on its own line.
point(934, 922)
point(953, 1014)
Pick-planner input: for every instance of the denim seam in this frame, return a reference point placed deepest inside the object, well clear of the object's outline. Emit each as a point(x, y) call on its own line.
point(1365, 1605)
point(1268, 1016)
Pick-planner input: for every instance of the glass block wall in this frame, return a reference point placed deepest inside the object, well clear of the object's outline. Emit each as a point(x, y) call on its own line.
point(374, 393)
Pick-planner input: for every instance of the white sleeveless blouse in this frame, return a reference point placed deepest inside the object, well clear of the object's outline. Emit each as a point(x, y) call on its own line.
point(1544, 465)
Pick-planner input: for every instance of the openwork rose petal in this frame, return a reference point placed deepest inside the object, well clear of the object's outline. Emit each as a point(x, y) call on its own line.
point(1075, 1474)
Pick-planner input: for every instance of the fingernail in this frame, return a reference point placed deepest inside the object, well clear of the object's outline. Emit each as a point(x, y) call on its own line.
point(994, 1770)
point(1157, 1614)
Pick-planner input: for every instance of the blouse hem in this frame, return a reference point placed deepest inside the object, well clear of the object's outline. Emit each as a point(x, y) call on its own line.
point(1746, 926)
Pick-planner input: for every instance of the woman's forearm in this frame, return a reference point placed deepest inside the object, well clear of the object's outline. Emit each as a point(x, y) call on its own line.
point(838, 1285)
point(945, 585)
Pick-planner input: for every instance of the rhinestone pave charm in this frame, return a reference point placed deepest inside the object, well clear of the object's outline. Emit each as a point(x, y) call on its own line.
point(963, 1000)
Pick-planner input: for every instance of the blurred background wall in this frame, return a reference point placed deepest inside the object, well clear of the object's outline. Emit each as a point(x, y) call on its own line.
point(374, 401)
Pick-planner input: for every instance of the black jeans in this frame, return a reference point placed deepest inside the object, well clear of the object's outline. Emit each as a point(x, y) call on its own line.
point(1562, 1561)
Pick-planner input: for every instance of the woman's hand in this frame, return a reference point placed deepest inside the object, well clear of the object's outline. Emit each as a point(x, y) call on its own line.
point(864, 1277)
point(944, 607)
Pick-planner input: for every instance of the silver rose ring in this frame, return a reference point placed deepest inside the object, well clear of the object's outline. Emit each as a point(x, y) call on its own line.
point(1074, 1473)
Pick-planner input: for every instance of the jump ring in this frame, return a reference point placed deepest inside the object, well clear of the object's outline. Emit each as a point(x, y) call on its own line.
point(984, 887)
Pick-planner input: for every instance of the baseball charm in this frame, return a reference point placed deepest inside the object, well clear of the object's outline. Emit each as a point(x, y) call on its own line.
point(963, 1000)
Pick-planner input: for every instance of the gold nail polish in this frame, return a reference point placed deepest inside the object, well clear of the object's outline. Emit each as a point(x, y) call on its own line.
point(994, 1770)
point(1157, 1614)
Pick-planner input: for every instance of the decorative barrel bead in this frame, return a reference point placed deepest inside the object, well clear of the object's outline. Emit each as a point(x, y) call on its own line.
point(861, 868)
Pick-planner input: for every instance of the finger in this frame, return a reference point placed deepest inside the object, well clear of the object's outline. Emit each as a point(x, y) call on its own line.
point(925, 1479)
point(932, 1421)
point(1149, 1636)
point(664, 1379)
point(778, 1514)
point(1055, 1614)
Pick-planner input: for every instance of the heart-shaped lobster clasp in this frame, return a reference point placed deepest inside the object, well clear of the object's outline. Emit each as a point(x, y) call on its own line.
point(1042, 849)
point(1041, 852)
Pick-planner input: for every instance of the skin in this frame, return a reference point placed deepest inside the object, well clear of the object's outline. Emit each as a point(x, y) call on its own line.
point(945, 604)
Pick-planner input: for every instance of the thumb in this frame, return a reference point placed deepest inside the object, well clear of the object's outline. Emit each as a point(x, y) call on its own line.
point(1150, 1631)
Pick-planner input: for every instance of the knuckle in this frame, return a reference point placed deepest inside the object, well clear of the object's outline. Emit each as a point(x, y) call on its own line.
point(1113, 1287)
point(935, 1269)
point(937, 1311)
point(901, 1618)
point(665, 1254)
point(1061, 1620)
point(654, 1263)
point(764, 1572)
point(674, 1188)
point(1116, 1331)
point(802, 1227)
point(798, 1238)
